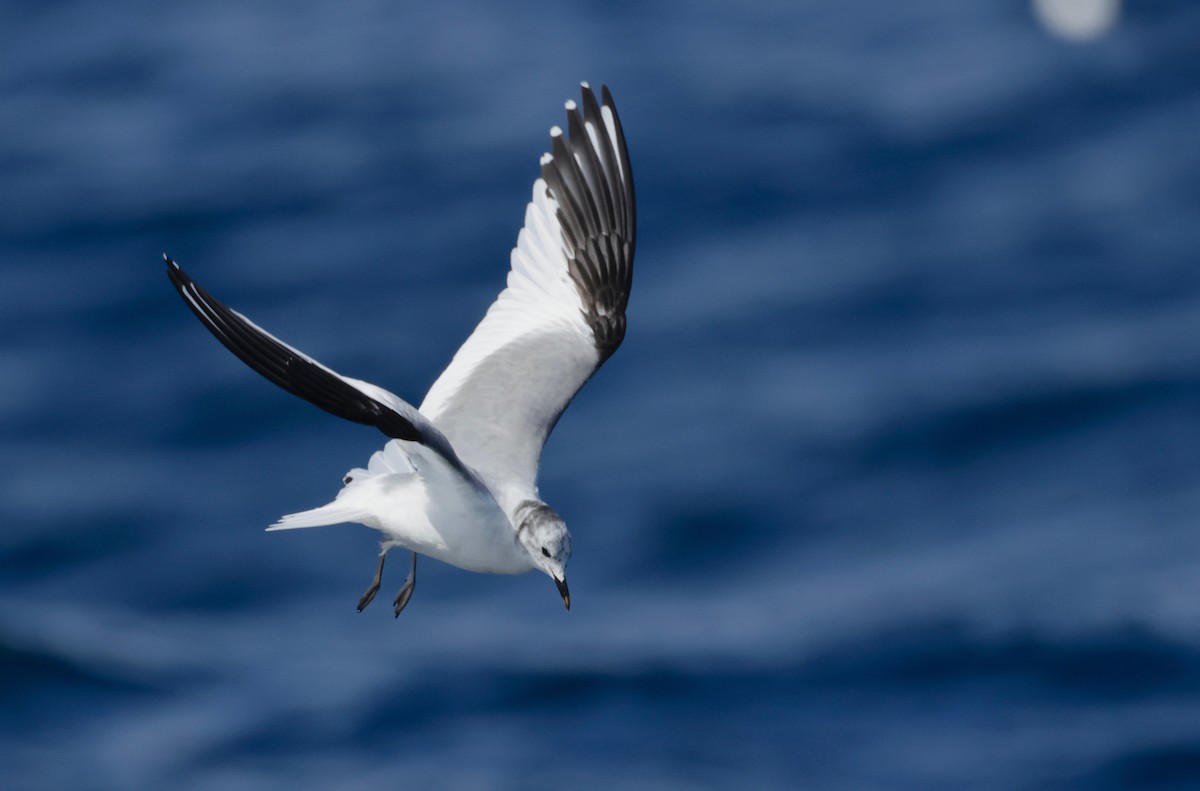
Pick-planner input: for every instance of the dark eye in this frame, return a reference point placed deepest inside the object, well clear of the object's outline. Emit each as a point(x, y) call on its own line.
point(545, 552)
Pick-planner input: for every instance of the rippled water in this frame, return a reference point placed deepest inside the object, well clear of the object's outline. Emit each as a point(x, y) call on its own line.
point(895, 482)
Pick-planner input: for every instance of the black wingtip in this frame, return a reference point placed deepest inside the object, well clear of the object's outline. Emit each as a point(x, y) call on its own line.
point(177, 276)
point(291, 369)
point(589, 176)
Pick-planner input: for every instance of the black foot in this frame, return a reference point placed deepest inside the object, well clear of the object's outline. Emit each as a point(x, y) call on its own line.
point(371, 591)
point(368, 596)
point(406, 591)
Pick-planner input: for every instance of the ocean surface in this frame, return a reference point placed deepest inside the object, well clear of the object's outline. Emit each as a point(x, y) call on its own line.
point(894, 484)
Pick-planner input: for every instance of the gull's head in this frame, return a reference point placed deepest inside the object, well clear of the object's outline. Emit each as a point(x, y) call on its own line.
point(545, 537)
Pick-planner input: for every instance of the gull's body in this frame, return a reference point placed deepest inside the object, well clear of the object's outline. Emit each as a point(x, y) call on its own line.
point(457, 481)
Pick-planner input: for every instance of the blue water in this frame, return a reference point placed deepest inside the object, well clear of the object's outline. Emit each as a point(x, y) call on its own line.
point(895, 483)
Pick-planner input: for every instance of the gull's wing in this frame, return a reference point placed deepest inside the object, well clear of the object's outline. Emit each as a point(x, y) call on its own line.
point(299, 374)
point(563, 311)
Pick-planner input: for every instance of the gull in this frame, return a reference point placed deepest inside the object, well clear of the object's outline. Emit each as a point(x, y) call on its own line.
point(457, 479)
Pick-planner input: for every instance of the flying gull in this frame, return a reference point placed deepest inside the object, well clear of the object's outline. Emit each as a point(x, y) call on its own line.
point(457, 480)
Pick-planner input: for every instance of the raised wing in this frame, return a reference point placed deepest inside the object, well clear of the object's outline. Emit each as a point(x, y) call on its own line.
point(563, 311)
point(299, 374)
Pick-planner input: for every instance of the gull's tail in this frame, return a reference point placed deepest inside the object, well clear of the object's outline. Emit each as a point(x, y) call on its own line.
point(366, 493)
point(334, 513)
point(348, 506)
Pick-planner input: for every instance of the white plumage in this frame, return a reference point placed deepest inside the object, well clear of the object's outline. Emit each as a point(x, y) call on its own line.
point(458, 479)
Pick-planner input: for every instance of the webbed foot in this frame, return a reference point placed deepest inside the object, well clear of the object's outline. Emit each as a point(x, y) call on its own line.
point(371, 591)
point(406, 591)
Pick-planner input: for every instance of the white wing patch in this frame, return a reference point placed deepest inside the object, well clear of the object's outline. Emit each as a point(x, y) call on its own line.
point(497, 419)
point(560, 316)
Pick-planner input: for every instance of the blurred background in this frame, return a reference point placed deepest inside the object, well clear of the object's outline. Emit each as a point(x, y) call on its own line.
point(894, 484)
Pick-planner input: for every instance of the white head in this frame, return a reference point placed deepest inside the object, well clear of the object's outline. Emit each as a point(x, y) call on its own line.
point(545, 537)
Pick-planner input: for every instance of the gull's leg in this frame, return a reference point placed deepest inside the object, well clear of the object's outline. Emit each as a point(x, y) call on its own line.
point(371, 591)
point(406, 590)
